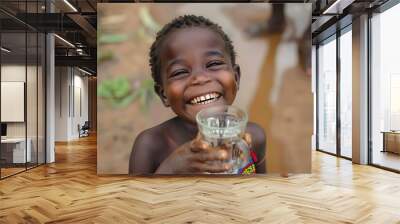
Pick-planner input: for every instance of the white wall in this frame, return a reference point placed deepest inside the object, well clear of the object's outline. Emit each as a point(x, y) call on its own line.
point(80, 89)
point(70, 83)
point(16, 73)
point(62, 81)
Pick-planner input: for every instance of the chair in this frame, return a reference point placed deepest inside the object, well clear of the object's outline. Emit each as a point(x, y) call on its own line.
point(84, 130)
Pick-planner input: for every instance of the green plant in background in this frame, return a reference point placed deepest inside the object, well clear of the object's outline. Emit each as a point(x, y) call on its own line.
point(149, 27)
point(119, 92)
point(112, 38)
point(147, 20)
point(108, 38)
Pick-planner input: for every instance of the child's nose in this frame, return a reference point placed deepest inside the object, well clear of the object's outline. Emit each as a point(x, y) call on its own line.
point(199, 76)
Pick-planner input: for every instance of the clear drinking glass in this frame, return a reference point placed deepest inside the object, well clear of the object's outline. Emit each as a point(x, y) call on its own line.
point(223, 126)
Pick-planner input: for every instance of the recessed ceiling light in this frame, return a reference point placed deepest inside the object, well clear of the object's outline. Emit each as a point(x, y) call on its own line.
point(5, 49)
point(337, 7)
point(84, 71)
point(70, 5)
point(64, 40)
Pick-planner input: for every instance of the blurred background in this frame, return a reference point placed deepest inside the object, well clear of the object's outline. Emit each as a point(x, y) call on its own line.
point(273, 44)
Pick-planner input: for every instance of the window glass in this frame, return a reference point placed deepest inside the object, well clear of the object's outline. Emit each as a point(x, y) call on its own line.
point(327, 96)
point(385, 88)
point(345, 94)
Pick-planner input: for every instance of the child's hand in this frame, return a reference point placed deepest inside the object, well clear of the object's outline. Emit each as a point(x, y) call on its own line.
point(196, 156)
point(247, 138)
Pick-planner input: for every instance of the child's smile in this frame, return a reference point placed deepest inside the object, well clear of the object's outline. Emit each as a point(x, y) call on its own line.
point(205, 98)
point(200, 101)
point(197, 72)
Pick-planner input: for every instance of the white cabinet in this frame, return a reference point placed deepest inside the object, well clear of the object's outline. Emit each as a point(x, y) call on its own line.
point(18, 149)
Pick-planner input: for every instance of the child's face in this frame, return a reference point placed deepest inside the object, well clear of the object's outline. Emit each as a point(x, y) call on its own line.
point(195, 67)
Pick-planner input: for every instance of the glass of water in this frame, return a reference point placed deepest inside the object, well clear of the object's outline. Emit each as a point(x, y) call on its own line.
point(222, 127)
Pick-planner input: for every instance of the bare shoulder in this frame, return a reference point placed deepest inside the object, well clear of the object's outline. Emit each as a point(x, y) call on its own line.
point(148, 139)
point(146, 149)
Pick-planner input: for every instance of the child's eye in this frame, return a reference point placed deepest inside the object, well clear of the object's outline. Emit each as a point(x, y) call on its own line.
point(178, 72)
point(214, 64)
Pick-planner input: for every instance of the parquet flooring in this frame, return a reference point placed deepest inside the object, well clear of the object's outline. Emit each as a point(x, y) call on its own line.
point(69, 191)
point(10, 171)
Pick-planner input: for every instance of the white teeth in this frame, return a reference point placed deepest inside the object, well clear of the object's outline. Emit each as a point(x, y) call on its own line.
point(205, 99)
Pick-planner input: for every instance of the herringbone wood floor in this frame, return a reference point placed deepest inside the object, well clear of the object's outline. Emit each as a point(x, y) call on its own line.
point(69, 191)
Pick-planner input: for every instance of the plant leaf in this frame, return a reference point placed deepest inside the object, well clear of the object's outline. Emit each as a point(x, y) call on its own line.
point(121, 87)
point(147, 20)
point(125, 101)
point(104, 90)
point(112, 38)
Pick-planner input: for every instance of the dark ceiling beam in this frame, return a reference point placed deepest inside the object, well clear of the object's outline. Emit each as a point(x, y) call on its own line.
point(91, 5)
point(17, 19)
point(11, 25)
point(75, 60)
point(321, 23)
point(19, 59)
point(55, 22)
point(49, 22)
point(331, 28)
point(52, 22)
point(91, 14)
point(81, 61)
point(84, 24)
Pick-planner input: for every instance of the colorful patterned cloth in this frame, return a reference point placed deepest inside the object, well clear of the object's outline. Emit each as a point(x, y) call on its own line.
point(250, 168)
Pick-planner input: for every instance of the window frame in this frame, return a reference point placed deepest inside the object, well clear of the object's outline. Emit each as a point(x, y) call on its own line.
point(334, 37)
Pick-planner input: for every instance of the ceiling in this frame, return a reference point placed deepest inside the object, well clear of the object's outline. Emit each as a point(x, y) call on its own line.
point(76, 21)
point(330, 16)
point(72, 20)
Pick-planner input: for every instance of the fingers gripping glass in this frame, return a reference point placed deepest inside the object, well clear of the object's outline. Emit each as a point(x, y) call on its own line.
point(223, 127)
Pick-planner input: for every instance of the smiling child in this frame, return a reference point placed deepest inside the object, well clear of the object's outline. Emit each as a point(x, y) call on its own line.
point(193, 66)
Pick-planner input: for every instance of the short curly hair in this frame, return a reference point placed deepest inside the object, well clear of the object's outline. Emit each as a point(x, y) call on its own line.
point(181, 22)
